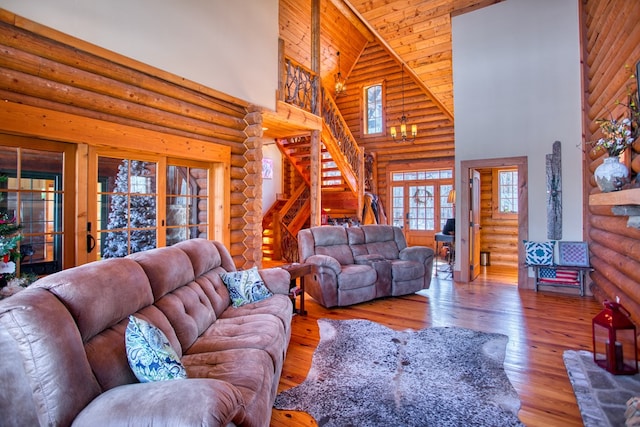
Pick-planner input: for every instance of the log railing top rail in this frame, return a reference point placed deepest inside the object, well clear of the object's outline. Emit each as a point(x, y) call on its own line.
point(344, 149)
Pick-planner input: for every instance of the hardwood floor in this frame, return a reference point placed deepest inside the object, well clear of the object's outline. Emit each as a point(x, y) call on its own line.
point(540, 327)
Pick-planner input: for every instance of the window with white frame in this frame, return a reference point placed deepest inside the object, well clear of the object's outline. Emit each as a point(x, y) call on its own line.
point(373, 120)
point(505, 192)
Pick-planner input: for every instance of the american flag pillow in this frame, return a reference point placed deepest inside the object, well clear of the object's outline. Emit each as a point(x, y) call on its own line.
point(553, 275)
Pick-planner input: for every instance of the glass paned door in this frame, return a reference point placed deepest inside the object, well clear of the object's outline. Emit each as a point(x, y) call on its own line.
point(446, 207)
point(187, 203)
point(419, 203)
point(32, 192)
point(421, 213)
point(127, 200)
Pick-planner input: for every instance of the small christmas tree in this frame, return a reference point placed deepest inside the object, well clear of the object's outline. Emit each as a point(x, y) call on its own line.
point(9, 238)
point(130, 212)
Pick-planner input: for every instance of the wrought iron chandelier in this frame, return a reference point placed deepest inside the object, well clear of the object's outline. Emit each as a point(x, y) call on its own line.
point(341, 82)
point(403, 137)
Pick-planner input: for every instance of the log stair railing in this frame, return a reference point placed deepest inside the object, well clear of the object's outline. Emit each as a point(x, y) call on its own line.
point(290, 219)
point(270, 251)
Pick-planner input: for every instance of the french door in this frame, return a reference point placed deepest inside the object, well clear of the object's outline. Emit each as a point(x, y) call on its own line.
point(145, 201)
point(37, 192)
point(419, 203)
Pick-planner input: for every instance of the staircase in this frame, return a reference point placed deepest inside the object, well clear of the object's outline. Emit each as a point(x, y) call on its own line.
point(269, 251)
point(337, 196)
point(341, 179)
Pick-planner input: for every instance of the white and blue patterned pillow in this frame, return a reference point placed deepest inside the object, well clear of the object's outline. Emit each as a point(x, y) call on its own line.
point(539, 253)
point(150, 354)
point(245, 286)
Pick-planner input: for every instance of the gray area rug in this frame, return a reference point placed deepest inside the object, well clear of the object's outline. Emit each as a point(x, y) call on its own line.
point(601, 396)
point(365, 374)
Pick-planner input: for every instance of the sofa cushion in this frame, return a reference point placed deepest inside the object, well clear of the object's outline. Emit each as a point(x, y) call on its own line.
point(378, 233)
point(150, 354)
point(249, 370)
point(204, 255)
point(167, 268)
point(245, 286)
point(387, 249)
point(259, 331)
point(333, 241)
point(356, 241)
point(342, 253)
point(278, 305)
point(406, 270)
point(100, 294)
point(356, 276)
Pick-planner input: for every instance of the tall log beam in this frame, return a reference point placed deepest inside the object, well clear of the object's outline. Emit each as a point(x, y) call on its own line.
point(316, 181)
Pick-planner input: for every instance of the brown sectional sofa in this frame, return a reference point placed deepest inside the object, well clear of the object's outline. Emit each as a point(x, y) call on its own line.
point(358, 264)
point(63, 348)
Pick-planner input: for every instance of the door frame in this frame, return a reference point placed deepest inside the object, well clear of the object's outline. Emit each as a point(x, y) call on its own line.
point(462, 238)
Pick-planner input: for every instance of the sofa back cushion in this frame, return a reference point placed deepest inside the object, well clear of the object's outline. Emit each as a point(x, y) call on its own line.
point(332, 240)
point(384, 240)
point(357, 242)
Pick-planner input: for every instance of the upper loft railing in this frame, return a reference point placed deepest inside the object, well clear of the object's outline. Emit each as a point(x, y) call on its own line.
point(296, 86)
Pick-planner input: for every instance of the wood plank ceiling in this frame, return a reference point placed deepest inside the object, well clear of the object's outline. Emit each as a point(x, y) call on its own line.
point(419, 33)
point(415, 32)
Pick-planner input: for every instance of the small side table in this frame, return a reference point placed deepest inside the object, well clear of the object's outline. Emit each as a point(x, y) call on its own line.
point(298, 271)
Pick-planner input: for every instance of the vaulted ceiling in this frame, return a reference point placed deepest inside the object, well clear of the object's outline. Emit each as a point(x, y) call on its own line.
point(415, 32)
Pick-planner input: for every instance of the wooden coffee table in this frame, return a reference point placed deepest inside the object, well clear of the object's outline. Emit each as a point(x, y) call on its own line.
point(298, 271)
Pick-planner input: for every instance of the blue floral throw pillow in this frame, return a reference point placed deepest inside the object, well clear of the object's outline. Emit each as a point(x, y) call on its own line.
point(150, 354)
point(539, 253)
point(245, 286)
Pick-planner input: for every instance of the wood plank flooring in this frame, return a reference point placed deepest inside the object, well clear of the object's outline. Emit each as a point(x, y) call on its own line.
point(540, 327)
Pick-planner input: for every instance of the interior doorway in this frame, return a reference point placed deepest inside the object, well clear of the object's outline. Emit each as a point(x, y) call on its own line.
point(467, 239)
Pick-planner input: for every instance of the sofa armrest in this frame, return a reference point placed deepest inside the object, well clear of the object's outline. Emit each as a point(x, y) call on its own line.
point(416, 253)
point(325, 261)
point(276, 279)
point(197, 401)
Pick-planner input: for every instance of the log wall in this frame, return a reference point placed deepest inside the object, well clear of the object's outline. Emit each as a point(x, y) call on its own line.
point(498, 236)
point(611, 38)
point(434, 145)
point(42, 68)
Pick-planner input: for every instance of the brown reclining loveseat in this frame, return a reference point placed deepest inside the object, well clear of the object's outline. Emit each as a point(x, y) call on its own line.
point(357, 264)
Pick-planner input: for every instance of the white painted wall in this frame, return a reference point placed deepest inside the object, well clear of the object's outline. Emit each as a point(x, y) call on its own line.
point(517, 89)
point(230, 46)
point(271, 187)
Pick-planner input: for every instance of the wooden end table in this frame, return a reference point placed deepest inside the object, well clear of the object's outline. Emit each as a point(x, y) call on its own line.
point(298, 271)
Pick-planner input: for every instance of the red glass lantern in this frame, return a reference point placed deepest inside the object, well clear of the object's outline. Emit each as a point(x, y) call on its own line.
point(614, 340)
